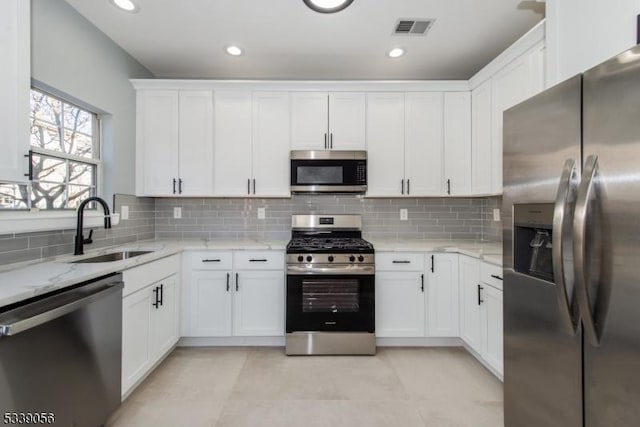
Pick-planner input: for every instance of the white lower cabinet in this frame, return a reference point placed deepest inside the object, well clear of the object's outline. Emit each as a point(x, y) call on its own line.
point(238, 293)
point(416, 295)
point(150, 317)
point(442, 295)
point(470, 307)
point(481, 311)
point(209, 304)
point(258, 308)
point(400, 304)
point(493, 327)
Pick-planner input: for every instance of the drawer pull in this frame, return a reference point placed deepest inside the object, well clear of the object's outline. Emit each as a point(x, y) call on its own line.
point(258, 260)
point(401, 262)
point(496, 277)
point(210, 260)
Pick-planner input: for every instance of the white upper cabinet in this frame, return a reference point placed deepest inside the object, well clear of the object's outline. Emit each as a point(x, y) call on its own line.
point(347, 121)
point(309, 121)
point(174, 148)
point(385, 144)
point(15, 83)
point(232, 152)
point(481, 141)
point(516, 82)
point(323, 121)
point(157, 142)
point(271, 144)
point(196, 143)
point(252, 144)
point(457, 143)
point(423, 148)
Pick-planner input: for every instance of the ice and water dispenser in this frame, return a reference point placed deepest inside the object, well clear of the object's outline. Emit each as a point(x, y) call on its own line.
point(533, 239)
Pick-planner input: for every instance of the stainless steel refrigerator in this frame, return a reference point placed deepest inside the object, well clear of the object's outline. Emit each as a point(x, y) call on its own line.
point(571, 235)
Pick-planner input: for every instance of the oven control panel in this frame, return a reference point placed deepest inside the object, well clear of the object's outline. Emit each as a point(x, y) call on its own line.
point(330, 258)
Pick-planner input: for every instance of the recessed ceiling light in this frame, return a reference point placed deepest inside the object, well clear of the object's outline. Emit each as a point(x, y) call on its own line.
point(328, 6)
point(234, 50)
point(126, 5)
point(396, 52)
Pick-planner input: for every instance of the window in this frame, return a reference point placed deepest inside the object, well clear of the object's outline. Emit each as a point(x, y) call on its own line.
point(65, 157)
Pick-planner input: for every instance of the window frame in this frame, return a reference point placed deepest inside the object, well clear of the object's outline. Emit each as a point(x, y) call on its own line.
point(95, 160)
point(13, 221)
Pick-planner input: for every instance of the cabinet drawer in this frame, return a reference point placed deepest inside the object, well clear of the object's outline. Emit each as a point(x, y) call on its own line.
point(210, 260)
point(399, 261)
point(144, 275)
point(258, 260)
point(491, 274)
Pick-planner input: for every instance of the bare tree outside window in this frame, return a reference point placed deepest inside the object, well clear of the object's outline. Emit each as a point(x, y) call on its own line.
point(64, 157)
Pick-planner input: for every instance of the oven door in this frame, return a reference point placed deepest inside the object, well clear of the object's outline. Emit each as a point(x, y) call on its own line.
point(328, 175)
point(327, 302)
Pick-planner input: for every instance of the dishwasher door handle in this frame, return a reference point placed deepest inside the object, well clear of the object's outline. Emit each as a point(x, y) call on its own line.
point(24, 324)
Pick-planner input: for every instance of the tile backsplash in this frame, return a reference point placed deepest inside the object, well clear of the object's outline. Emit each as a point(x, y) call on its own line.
point(428, 218)
point(235, 219)
point(31, 246)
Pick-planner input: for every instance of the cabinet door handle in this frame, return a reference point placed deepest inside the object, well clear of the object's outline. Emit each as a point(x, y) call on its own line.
point(29, 174)
point(211, 260)
point(248, 185)
point(401, 262)
point(408, 186)
point(422, 283)
point(228, 281)
point(326, 144)
point(155, 294)
point(161, 294)
point(331, 140)
point(480, 300)
point(174, 186)
point(433, 264)
point(449, 187)
point(258, 260)
point(237, 282)
point(496, 277)
point(402, 185)
point(180, 186)
point(254, 186)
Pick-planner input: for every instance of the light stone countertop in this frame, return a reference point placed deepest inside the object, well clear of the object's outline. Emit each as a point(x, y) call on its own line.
point(487, 251)
point(22, 281)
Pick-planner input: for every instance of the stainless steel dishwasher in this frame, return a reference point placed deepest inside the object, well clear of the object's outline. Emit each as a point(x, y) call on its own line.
point(61, 356)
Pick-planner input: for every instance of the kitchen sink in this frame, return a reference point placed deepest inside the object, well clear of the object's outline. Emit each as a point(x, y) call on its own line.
point(114, 256)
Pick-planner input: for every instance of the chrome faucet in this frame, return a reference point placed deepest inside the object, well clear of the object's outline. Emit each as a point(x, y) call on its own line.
point(80, 240)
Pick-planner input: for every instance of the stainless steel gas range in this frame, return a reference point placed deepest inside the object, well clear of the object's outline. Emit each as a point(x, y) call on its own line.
point(330, 287)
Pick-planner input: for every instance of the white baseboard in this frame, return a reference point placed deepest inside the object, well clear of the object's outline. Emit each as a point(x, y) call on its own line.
point(231, 342)
point(419, 342)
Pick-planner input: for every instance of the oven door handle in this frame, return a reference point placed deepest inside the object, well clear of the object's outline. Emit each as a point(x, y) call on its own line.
point(332, 270)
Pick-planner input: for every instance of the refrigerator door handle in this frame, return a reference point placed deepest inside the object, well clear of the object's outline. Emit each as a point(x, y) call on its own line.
point(579, 250)
point(564, 285)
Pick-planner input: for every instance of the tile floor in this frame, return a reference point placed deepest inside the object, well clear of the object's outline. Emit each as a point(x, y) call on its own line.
point(255, 387)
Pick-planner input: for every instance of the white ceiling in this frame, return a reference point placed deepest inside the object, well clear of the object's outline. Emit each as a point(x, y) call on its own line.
point(283, 39)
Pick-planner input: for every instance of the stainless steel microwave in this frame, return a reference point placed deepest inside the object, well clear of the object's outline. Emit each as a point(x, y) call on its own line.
point(328, 171)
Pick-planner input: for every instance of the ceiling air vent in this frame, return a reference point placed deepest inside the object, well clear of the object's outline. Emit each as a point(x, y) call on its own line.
point(412, 27)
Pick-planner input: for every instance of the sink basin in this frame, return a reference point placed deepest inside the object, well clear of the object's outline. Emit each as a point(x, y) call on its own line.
point(115, 256)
